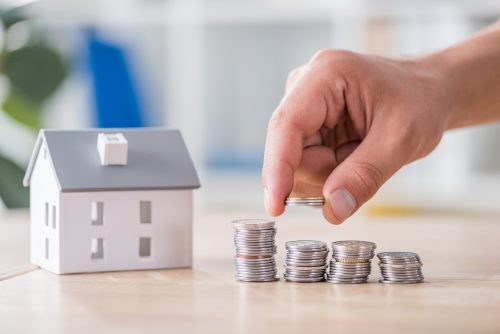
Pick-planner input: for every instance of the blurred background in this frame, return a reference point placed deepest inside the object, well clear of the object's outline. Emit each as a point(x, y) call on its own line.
point(216, 69)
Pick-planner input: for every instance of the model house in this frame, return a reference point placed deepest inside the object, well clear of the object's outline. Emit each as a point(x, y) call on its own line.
point(111, 199)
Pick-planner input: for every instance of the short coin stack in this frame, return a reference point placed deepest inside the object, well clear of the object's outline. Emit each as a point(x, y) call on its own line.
point(305, 261)
point(400, 267)
point(351, 261)
point(305, 201)
point(255, 249)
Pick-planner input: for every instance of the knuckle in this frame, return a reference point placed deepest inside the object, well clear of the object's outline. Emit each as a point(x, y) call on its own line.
point(332, 56)
point(293, 75)
point(276, 120)
point(323, 54)
point(367, 179)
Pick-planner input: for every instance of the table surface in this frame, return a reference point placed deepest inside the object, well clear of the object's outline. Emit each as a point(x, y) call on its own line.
point(461, 292)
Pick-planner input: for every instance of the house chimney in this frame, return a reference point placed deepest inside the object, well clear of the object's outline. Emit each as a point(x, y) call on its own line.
point(112, 148)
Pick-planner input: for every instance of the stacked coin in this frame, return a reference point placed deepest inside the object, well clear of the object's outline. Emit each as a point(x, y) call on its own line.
point(305, 261)
point(308, 201)
point(400, 267)
point(255, 249)
point(351, 261)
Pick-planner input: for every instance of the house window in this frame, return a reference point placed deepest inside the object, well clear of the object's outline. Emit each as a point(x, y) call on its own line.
point(46, 214)
point(54, 216)
point(46, 248)
point(97, 213)
point(145, 212)
point(97, 248)
point(144, 247)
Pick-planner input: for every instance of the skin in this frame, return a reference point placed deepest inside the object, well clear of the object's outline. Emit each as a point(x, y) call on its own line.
point(348, 121)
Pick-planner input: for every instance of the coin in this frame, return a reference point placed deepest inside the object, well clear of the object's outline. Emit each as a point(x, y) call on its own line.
point(400, 267)
point(306, 245)
point(255, 248)
point(252, 224)
point(305, 261)
point(305, 201)
point(351, 261)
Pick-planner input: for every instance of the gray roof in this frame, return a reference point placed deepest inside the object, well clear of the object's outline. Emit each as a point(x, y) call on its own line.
point(157, 159)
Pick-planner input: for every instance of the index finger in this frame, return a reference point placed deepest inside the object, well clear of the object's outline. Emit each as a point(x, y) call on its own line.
point(300, 114)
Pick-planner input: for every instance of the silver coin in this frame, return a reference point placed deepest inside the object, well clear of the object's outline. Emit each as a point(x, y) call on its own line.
point(353, 245)
point(249, 234)
point(306, 245)
point(308, 255)
point(253, 224)
point(303, 280)
point(256, 271)
point(350, 265)
point(253, 248)
point(306, 268)
point(304, 264)
point(245, 251)
point(348, 281)
point(303, 273)
point(308, 201)
point(256, 232)
point(398, 255)
point(401, 273)
point(252, 236)
point(256, 267)
point(269, 279)
point(400, 266)
point(304, 203)
point(305, 259)
point(255, 275)
point(400, 282)
point(255, 262)
point(341, 270)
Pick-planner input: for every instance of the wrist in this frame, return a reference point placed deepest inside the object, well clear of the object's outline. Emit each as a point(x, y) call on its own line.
point(445, 87)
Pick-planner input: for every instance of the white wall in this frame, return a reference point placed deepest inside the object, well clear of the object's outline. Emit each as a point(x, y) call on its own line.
point(170, 230)
point(44, 189)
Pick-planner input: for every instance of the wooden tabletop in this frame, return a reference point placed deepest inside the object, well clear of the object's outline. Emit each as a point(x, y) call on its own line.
point(461, 293)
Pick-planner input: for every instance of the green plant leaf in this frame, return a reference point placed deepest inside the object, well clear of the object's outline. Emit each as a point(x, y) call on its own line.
point(22, 109)
point(12, 192)
point(35, 71)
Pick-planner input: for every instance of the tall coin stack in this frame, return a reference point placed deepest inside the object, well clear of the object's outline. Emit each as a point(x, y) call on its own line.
point(400, 267)
point(305, 261)
point(255, 249)
point(351, 261)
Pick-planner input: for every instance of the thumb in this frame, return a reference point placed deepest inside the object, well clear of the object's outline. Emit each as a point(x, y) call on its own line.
point(359, 176)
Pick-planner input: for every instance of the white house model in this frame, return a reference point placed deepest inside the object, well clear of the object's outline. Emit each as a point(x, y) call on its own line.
point(111, 199)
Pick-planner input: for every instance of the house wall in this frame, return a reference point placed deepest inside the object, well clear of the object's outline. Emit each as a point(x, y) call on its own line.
point(44, 190)
point(170, 230)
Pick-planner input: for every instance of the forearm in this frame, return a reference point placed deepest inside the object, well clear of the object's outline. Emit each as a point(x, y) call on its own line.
point(470, 72)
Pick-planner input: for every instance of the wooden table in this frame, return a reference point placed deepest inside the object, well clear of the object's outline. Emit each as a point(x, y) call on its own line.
point(461, 294)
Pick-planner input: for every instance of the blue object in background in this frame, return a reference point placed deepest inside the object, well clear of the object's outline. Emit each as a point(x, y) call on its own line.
point(116, 100)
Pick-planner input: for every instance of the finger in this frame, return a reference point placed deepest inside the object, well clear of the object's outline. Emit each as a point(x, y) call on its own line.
point(300, 114)
point(293, 77)
point(359, 176)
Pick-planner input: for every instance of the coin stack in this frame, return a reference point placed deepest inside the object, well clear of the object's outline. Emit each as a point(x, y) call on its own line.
point(305, 261)
point(351, 261)
point(255, 249)
point(400, 267)
point(305, 201)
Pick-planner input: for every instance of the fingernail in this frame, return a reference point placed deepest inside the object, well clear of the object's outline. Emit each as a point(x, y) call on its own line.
point(266, 199)
point(342, 203)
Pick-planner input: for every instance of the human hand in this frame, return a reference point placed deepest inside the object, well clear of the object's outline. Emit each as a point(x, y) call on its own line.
point(348, 122)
